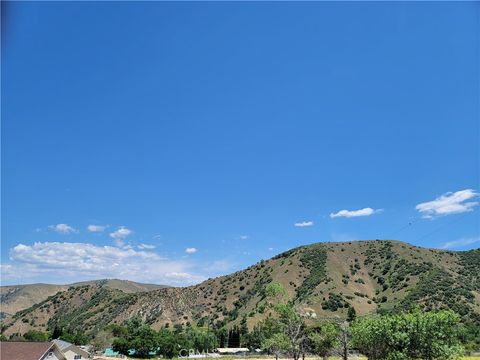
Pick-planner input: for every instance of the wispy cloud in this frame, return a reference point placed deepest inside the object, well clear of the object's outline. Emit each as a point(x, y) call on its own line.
point(244, 237)
point(460, 243)
point(303, 224)
point(146, 246)
point(449, 203)
point(120, 235)
point(355, 213)
point(63, 229)
point(79, 261)
point(219, 267)
point(96, 228)
point(342, 237)
point(191, 250)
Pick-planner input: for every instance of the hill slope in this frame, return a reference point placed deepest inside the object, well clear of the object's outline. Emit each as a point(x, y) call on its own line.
point(324, 279)
point(19, 297)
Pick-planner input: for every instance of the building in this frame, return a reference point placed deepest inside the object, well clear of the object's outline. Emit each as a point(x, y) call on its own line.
point(232, 351)
point(71, 351)
point(25, 350)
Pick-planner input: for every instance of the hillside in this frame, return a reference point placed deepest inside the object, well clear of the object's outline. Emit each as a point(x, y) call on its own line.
point(324, 279)
point(19, 297)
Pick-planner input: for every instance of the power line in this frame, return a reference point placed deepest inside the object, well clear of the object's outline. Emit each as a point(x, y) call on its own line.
point(410, 223)
point(454, 221)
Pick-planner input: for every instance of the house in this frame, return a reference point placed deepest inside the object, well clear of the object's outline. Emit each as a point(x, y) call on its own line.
point(71, 351)
point(25, 350)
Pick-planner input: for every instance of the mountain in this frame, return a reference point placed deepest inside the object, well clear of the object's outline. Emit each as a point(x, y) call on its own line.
point(323, 279)
point(19, 297)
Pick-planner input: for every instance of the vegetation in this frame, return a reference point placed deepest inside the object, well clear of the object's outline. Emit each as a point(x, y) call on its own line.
point(34, 335)
point(323, 339)
point(413, 335)
point(313, 258)
point(136, 338)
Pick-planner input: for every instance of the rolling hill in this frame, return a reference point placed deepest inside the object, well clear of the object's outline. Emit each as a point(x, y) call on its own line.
point(19, 297)
point(323, 280)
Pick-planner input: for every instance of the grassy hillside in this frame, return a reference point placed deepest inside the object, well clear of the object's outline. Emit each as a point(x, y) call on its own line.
point(324, 279)
point(19, 297)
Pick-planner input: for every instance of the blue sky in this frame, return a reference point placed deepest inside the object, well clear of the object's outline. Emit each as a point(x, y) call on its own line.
point(199, 138)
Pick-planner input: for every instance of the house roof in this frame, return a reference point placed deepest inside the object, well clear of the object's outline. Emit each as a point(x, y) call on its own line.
point(62, 344)
point(24, 350)
point(65, 346)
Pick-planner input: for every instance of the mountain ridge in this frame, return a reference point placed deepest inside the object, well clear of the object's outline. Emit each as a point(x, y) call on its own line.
point(323, 280)
point(14, 298)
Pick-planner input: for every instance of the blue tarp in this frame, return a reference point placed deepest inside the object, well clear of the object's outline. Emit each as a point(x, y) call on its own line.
point(109, 352)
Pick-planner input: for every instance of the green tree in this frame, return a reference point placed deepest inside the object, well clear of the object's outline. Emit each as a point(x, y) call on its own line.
point(276, 293)
point(34, 335)
point(57, 332)
point(77, 338)
point(351, 314)
point(293, 326)
point(144, 341)
point(121, 345)
point(276, 344)
point(288, 321)
point(167, 346)
point(323, 339)
point(137, 336)
point(414, 335)
point(117, 330)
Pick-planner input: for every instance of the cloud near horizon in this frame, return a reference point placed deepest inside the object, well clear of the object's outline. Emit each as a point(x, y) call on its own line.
point(449, 203)
point(355, 213)
point(460, 243)
point(80, 261)
point(303, 224)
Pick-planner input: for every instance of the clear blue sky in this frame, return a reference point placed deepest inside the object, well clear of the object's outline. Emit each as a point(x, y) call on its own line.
point(194, 136)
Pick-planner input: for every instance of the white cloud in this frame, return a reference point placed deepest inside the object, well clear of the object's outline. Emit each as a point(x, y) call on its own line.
point(244, 237)
point(146, 246)
point(355, 213)
point(63, 229)
point(460, 243)
point(449, 203)
point(191, 250)
point(96, 228)
point(120, 234)
point(303, 224)
point(79, 261)
point(270, 249)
